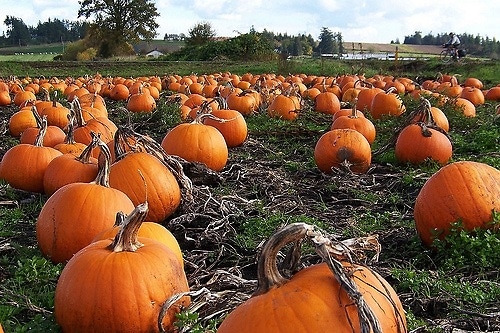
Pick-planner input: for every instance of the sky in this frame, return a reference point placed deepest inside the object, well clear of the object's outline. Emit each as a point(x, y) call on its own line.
point(358, 21)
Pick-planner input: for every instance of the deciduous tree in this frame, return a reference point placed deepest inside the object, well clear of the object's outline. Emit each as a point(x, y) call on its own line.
point(117, 23)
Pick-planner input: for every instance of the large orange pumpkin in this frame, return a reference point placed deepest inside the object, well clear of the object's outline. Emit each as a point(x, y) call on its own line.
point(465, 192)
point(142, 177)
point(120, 285)
point(417, 143)
point(313, 300)
point(343, 147)
point(196, 142)
point(231, 124)
point(71, 218)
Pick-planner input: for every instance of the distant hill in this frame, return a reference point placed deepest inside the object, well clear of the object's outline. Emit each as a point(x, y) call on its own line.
point(391, 48)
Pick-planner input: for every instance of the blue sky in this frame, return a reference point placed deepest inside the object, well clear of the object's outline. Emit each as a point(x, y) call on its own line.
point(357, 21)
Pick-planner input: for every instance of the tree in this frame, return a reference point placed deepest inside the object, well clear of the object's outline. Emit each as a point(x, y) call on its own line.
point(326, 44)
point(201, 33)
point(117, 23)
point(17, 32)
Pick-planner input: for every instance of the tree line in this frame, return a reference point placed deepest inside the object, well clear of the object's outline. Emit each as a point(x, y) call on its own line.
point(476, 45)
point(52, 31)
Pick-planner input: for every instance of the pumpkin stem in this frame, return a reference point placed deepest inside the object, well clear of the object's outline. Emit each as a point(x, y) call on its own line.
point(102, 177)
point(41, 132)
point(126, 238)
point(268, 275)
point(86, 154)
point(38, 118)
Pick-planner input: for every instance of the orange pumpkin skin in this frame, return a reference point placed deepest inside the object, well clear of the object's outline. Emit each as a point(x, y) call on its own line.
point(339, 145)
point(386, 104)
point(284, 107)
point(62, 231)
point(413, 147)
point(197, 142)
point(361, 124)
point(151, 230)
point(67, 169)
point(313, 301)
point(141, 176)
point(233, 128)
point(466, 191)
point(132, 287)
point(20, 121)
point(327, 102)
point(23, 166)
point(465, 106)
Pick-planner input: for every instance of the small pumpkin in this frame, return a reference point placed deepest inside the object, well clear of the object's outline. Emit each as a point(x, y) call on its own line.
point(142, 101)
point(231, 124)
point(386, 104)
point(359, 123)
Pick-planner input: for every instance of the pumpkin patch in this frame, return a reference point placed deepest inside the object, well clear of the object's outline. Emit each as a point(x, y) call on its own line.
point(200, 180)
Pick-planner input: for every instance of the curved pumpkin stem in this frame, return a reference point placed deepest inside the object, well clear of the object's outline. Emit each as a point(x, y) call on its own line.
point(268, 275)
point(102, 177)
point(126, 238)
point(86, 154)
point(41, 133)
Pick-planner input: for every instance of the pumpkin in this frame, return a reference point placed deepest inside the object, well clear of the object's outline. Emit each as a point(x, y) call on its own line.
point(142, 176)
point(313, 300)
point(493, 94)
point(343, 147)
point(466, 107)
point(73, 215)
point(132, 277)
point(243, 102)
point(142, 101)
point(5, 98)
point(284, 107)
point(386, 104)
point(23, 165)
point(327, 102)
point(197, 142)
point(20, 121)
point(474, 95)
point(119, 92)
point(418, 142)
point(68, 169)
point(465, 192)
point(231, 124)
point(359, 123)
point(365, 98)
